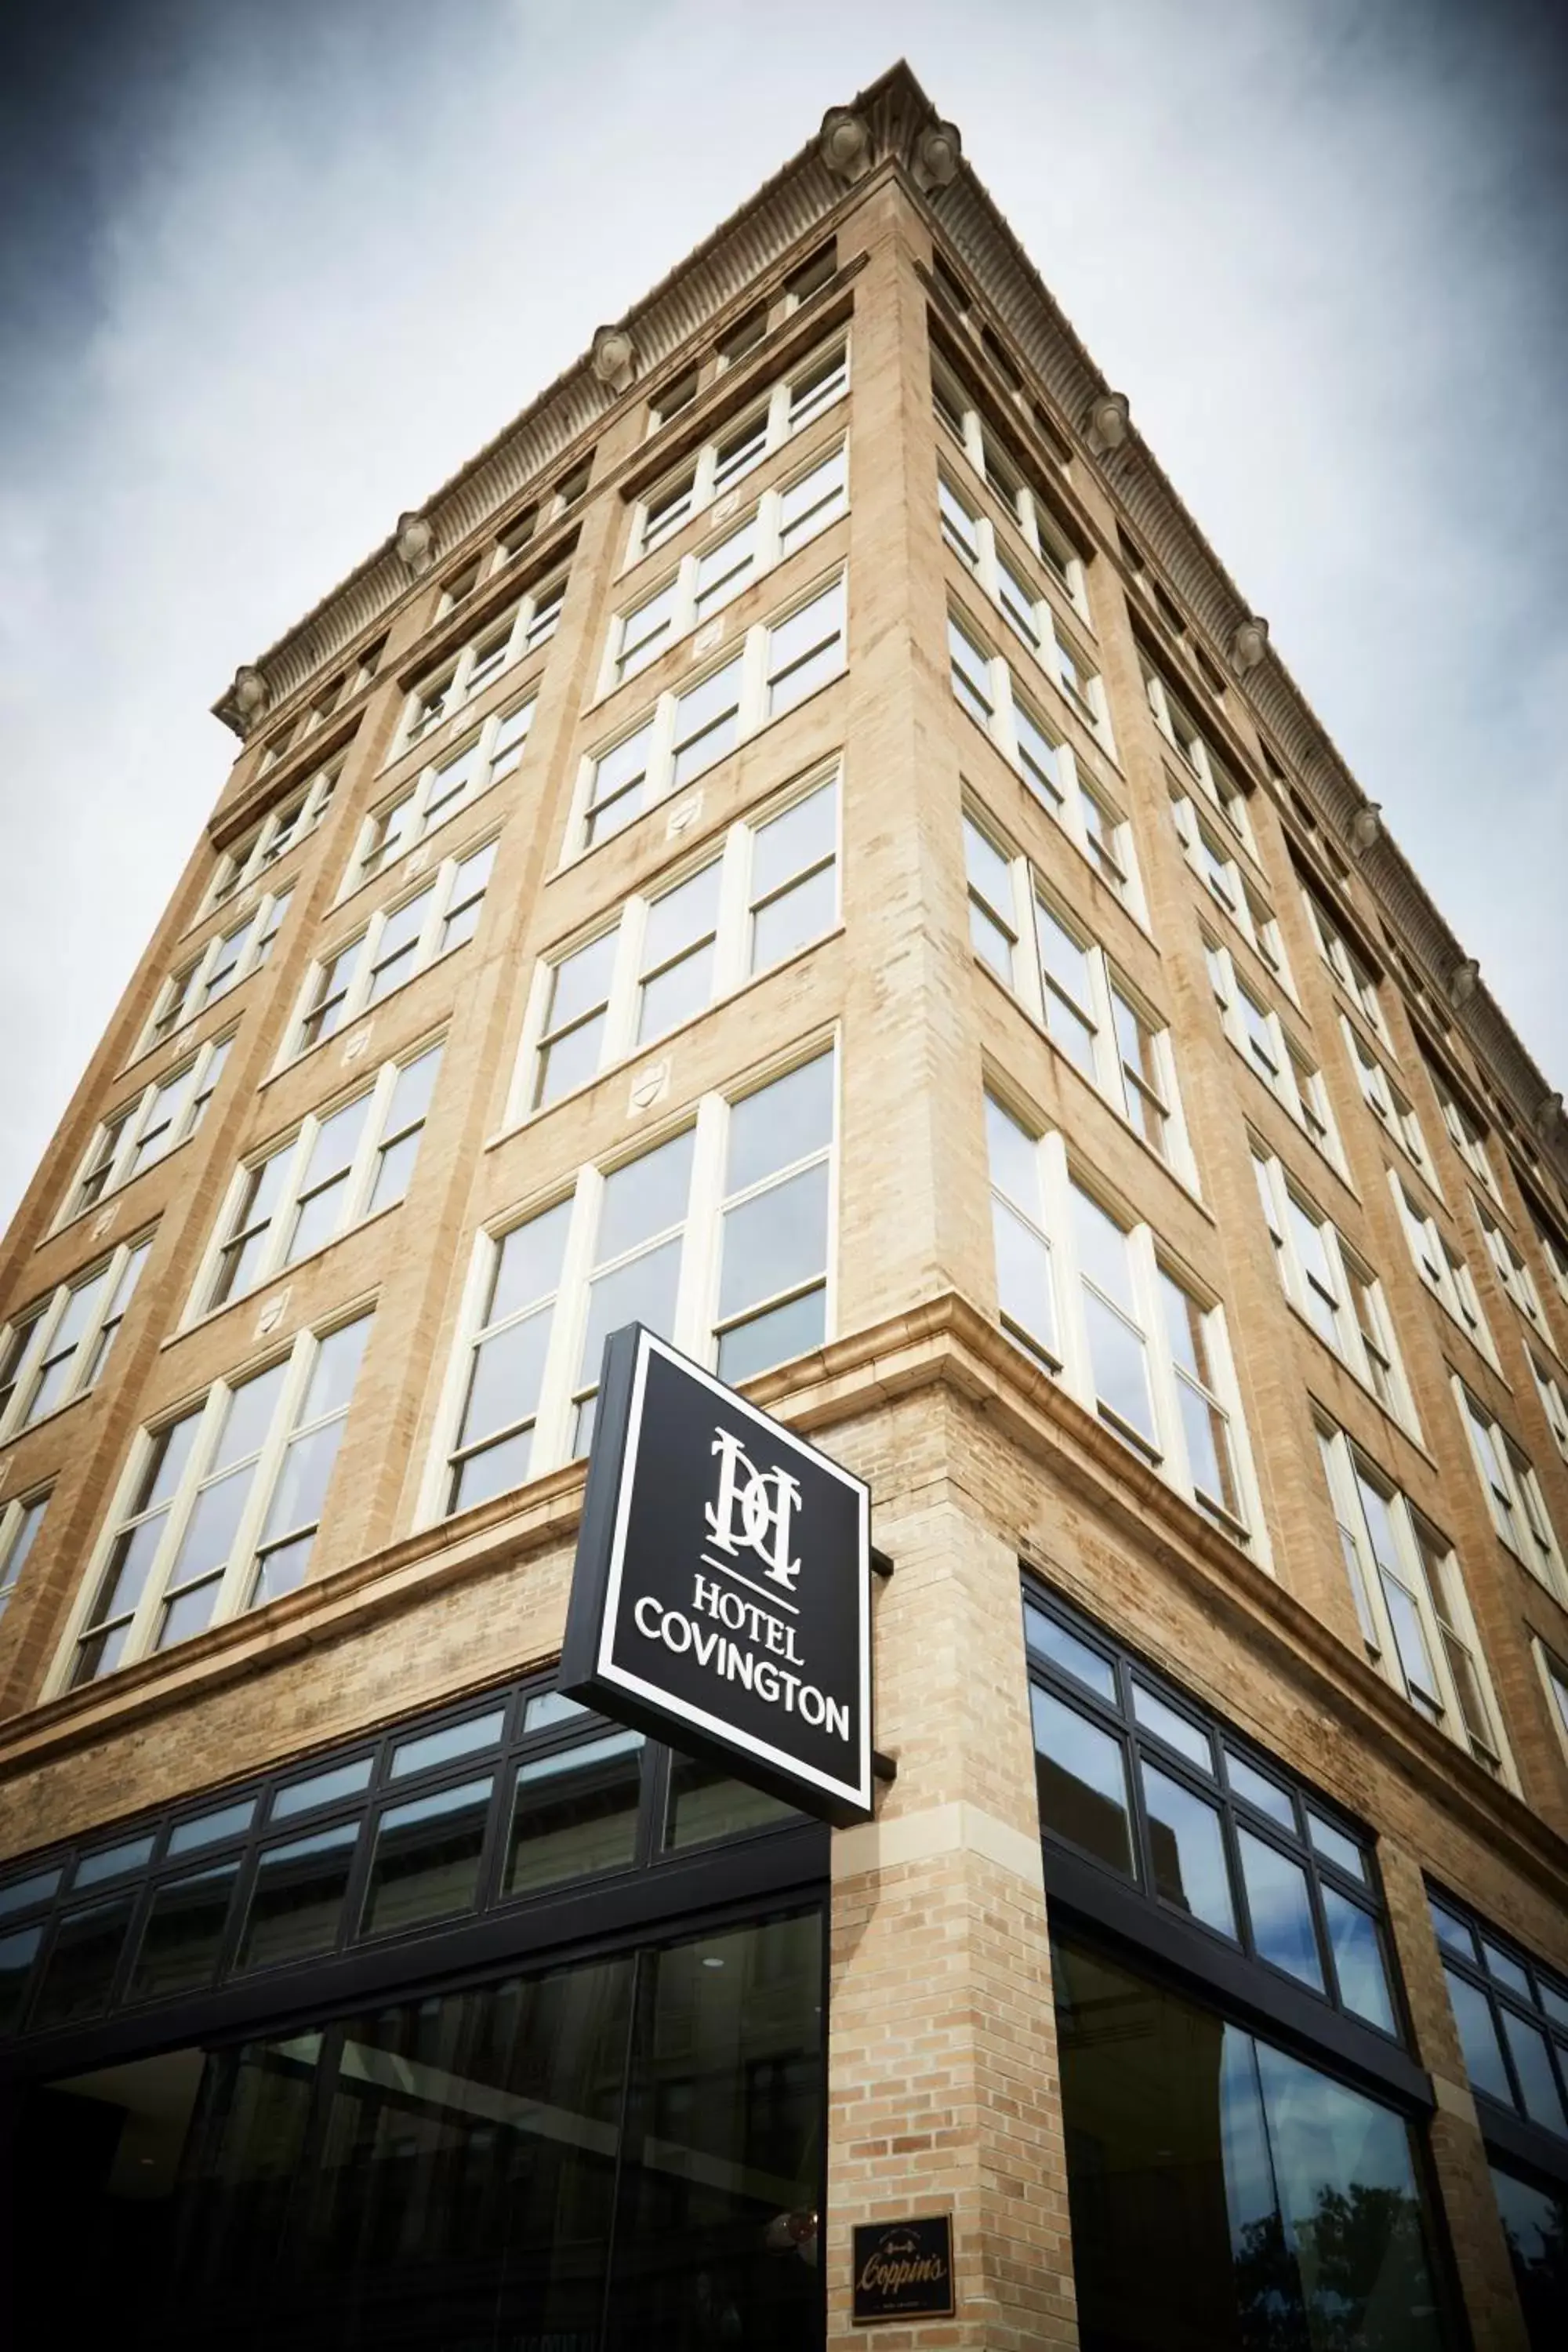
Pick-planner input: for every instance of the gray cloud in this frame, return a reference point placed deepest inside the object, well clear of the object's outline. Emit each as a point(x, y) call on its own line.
point(271, 272)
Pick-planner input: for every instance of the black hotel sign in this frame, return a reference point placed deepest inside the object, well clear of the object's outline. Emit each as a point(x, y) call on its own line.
point(721, 1598)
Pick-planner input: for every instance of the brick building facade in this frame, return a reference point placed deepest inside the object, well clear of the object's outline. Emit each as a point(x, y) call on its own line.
point(799, 843)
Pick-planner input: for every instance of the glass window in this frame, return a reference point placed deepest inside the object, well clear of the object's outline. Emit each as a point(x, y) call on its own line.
point(1535, 2224)
point(1080, 1773)
point(1267, 2204)
point(506, 1371)
point(772, 1278)
point(574, 1813)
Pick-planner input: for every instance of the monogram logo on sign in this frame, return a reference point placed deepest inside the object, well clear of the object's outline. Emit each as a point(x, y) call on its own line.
point(762, 1501)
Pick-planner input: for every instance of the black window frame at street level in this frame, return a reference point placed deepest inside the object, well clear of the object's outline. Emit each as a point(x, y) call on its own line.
point(661, 1892)
point(1131, 1916)
point(1510, 2135)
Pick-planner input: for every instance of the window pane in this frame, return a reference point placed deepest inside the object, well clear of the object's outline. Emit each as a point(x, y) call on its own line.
point(297, 1898)
point(1335, 1846)
point(678, 992)
point(1023, 1277)
point(1188, 1739)
point(780, 1123)
point(773, 1337)
point(181, 1941)
point(642, 1291)
point(18, 1953)
point(425, 1865)
point(644, 1196)
point(81, 1964)
point(1535, 2224)
point(528, 1263)
point(788, 843)
point(1081, 1775)
point(774, 1240)
point(797, 916)
point(1477, 2037)
point(1533, 2064)
point(1186, 1847)
point(575, 1813)
point(569, 1061)
point(321, 1789)
point(1259, 1791)
point(455, 1739)
point(1282, 1930)
point(508, 1370)
point(210, 1829)
point(705, 1803)
point(1120, 1366)
point(1049, 1640)
point(1358, 1960)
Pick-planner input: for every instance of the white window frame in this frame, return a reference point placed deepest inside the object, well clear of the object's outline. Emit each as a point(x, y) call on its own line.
point(187, 993)
point(21, 1520)
point(1411, 1572)
point(439, 888)
point(1388, 1103)
point(1071, 1362)
point(695, 1324)
point(1555, 1253)
point(128, 1126)
point(1511, 1270)
point(1237, 896)
point(1348, 1275)
point(450, 687)
point(732, 853)
point(297, 815)
point(1348, 965)
point(1513, 1491)
point(1554, 1683)
point(1057, 659)
point(1443, 1271)
point(684, 585)
point(1466, 1131)
point(1553, 1404)
point(1106, 843)
point(492, 765)
point(1298, 1084)
point(1032, 986)
point(1186, 739)
point(751, 657)
point(357, 1188)
point(1031, 514)
point(300, 1356)
point(1032, 618)
point(774, 408)
point(43, 1321)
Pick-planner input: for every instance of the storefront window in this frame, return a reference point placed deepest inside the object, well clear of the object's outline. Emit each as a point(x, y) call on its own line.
point(1224, 2195)
point(626, 2153)
point(1535, 2223)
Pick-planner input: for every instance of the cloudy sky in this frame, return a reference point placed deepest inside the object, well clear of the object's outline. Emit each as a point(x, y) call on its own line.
point(271, 269)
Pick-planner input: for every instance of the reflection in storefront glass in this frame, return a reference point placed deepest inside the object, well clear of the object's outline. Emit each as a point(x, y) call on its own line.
point(1272, 2209)
point(1535, 2224)
point(622, 2156)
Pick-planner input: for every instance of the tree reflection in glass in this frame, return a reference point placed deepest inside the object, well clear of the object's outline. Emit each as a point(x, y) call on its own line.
point(1270, 2209)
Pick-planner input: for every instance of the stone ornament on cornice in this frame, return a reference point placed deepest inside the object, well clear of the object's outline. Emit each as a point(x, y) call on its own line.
point(1463, 981)
point(939, 150)
point(1250, 643)
point(250, 696)
point(614, 357)
point(1366, 827)
point(1550, 1123)
point(415, 543)
point(1108, 424)
point(844, 142)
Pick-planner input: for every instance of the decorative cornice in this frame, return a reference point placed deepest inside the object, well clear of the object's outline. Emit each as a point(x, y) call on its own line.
point(894, 120)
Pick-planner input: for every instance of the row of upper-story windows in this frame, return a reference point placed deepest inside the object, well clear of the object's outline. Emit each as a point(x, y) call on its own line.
point(995, 460)
point(805, 392)
point(720, 1234)
point(744, 335)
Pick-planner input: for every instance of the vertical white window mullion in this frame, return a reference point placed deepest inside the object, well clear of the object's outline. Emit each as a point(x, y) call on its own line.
point(1028, 982)
point(553, 1421)
point(1077, 1372)
point(753, 712)
point(361, 1170)
point(430, 930)
point(697, 1296)
point(661, 751)
point(620, 1020)
point(702, 487)
point(1002, 731)
point(139, 1639)
point(778, 415)
point(769, 509)
point(985, 568)
point(1171, 1438)
point(231, 1591)
point(1107, 1044)
point(734, 894)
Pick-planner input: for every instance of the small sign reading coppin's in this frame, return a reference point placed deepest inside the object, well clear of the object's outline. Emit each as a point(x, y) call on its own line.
point(722, 1595)
point(903, 2270)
